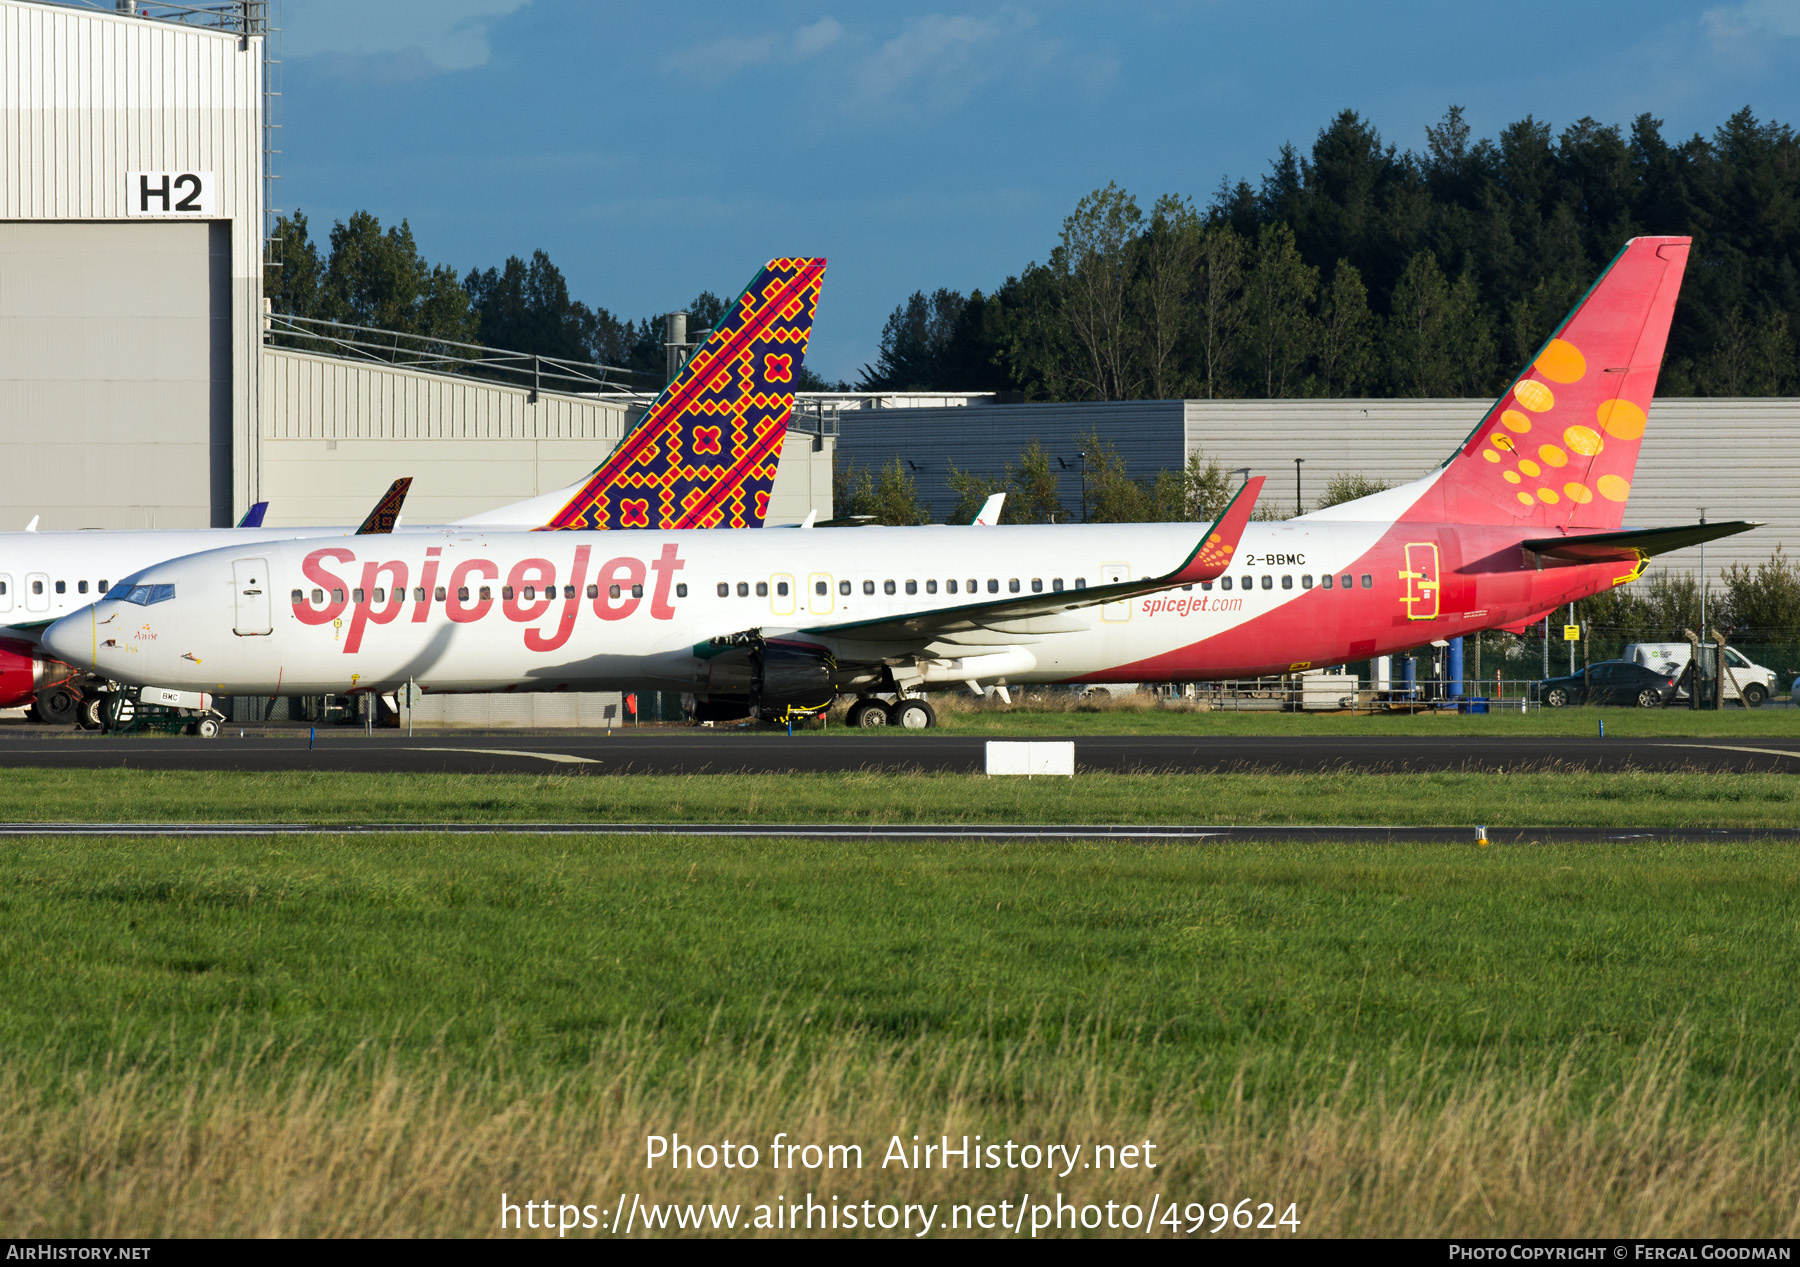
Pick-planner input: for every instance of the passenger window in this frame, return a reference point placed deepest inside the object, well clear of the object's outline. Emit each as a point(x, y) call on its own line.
point(844, 588)
point(1012, 586)
point(299, 596)
point(1348, 581)
point(950, 586)
point(62, 587)
point(1306, 581)
point(1268, 581)
point(1081, 582)
point(593, 591)
point(724, 589)
point(102, 587)
point(37, 587)
point(506, 593)
point(868, 587)
point(1037, 585)
point(781, 588)
point(887, 587)
point(1287, 582)
point(440, 595)
point(418, 595)
point(357, 596)
point(912, 587)
point(462, 593)
point(1325, 581)
point(820, 587)
point(993, 585)
point(1225, 582)
point(1056, 585)
point(319, 595)
point(743, 589)
point(1207, 586)
point(930, 587)
point(568, 591)
point(612, 591)
point(974, 586)
point(762, 589)
point(381, 595)
point(637, 591)
point(337, 596)
point(681, 590)
point(1368, 581)
point(530, 592)
point(1248, 582)
point(81, 587)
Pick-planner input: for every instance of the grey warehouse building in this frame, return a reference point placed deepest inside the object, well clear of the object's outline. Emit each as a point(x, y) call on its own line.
point(1728, 458)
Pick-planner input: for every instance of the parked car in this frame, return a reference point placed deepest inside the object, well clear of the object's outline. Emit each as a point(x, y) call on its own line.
point(1609, 682)
point(1755, 682)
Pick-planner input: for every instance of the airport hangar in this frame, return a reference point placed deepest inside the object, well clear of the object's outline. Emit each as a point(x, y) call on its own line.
point(144, 383)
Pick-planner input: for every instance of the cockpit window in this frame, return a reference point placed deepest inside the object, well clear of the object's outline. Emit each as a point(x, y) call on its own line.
point(145, 595)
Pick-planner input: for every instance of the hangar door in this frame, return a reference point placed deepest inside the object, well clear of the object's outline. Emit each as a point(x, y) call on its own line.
point(115, 373)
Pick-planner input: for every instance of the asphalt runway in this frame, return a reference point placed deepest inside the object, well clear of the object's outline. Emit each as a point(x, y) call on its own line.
point(1018, 833)
point(694, 751)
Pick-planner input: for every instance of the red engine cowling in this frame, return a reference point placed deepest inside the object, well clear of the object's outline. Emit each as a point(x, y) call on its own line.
point(24, 672)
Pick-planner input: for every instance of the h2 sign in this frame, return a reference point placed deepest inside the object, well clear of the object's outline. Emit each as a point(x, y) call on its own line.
point(170, 194)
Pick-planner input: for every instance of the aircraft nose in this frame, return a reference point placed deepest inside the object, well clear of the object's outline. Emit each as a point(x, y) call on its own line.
point(72, 640)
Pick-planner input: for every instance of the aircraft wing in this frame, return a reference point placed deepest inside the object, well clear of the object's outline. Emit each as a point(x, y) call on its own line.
point(387, 511)
point(1028, 616)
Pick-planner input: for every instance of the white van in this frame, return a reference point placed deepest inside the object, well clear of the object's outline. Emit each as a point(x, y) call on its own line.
point(1756, 682)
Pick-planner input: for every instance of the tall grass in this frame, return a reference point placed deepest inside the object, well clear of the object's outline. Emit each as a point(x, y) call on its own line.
point(243, 1139)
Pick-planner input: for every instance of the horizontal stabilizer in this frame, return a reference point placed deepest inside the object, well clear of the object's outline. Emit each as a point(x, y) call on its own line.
point(1640, 543)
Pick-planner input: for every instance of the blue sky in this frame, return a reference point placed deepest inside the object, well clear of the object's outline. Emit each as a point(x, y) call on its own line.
point(658, 150)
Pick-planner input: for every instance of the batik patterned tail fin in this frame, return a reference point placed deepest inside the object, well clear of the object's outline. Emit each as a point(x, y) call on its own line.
point(387, 511)
point(1559, 448)
point(705, 454)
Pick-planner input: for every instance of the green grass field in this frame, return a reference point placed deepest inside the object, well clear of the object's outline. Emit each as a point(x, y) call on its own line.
point(379, 1034)
point(1525, 798)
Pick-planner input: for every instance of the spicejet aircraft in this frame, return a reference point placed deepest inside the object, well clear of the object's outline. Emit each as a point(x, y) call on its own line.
point(1524, 516)
point(703, 455)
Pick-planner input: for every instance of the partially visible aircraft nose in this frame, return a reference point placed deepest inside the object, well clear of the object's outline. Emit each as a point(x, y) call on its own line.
point(72, 640)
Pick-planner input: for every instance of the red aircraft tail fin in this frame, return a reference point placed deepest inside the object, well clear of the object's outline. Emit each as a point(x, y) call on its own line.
point(1559, 447)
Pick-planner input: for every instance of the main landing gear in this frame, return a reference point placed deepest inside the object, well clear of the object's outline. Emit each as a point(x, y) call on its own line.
point(869, 713)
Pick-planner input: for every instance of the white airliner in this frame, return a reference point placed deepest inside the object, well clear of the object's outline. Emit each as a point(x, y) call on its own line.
point(709, 444)
point(1524, 516)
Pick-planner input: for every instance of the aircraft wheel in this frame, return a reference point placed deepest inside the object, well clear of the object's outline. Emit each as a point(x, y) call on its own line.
point(92, 714)
point(1556, 697)
point(57, 706)
point(207, 728)
point(912, 714)
point(867, 714)
point(1648, 698)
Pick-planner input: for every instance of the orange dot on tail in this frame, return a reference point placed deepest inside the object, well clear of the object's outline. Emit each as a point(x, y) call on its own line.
point(1561, 362)
point(1548, 496)
point(1552, 455)
point(1613, 488)
point(1578, 493)
point(1621, 419)
point(1525, 500)
point(1512, 477)
point(1531, 468)
point(1513, 420)
point(1533, 395)
point(1583, 440)
point(1490, 455)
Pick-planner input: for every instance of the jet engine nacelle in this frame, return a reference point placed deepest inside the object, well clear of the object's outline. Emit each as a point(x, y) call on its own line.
point(755, 675)
point(23, 672)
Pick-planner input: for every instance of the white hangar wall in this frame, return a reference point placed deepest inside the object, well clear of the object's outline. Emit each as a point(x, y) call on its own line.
point(1736, 458)
point(129, 327)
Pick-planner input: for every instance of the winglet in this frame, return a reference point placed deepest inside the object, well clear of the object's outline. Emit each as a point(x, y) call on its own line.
point(387, 511)
point(254, 516)
point(1213, 555)
point(990, 512)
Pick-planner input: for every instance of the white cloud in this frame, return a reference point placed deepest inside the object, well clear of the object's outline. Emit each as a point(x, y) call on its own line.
point(448, 34)
point(721, 59)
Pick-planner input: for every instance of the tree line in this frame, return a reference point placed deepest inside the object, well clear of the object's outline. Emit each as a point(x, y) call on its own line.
point(1359, 269)
point(367, 276)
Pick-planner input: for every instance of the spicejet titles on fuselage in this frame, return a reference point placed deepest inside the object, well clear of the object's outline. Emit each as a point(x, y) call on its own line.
point(531, 589)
